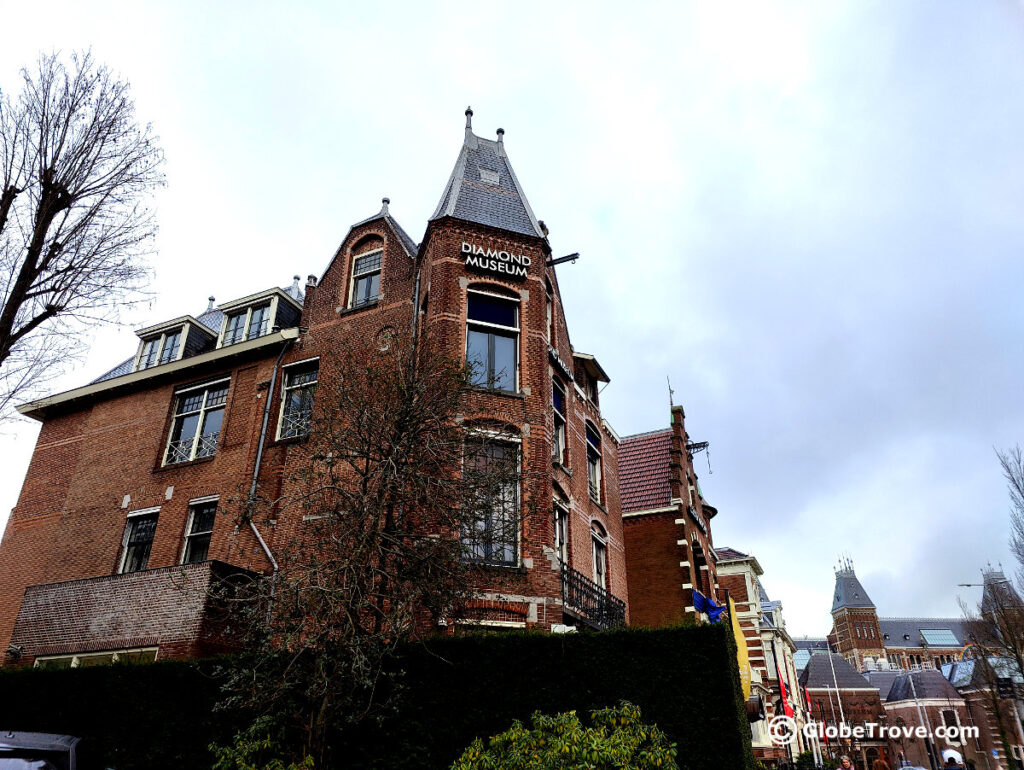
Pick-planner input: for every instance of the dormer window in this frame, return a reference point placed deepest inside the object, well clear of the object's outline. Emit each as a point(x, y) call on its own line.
point(247, 324)
point(257, 315)
point(157, 349)
point(366, 278)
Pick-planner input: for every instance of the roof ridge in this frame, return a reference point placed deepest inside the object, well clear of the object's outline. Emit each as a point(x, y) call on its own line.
point(936, 620)
point(647, 433)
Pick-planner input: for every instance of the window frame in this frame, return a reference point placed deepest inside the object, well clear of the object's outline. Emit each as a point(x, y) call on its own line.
point(485, 439)
point(560, 443)
point(161, 339)
point(562, 531)
point(193, 504)
point(279, 436)
point(132, 518)
point(599, 548)
point(595, 471)
point(355, 277)
point(203, 412)
point(515, 332)
point(270, 303)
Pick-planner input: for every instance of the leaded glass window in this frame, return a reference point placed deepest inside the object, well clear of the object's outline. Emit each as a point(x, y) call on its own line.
point(200, 530)
point(366, 278)
point(198, 416)
point(297, 399)
point(138, 540)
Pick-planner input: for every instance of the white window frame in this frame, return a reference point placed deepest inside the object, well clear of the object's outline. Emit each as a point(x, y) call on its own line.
point(355, 276)
point(561, 513)
point(127, 530)
point(518, 329)
point(161, 340)
point(76, 658)
point(285, 389)
point(599, 548)
point(599, 473)
point(498, 437)
point(269, 302)
point(199, 428)
point(560, 444)
point(192, 505)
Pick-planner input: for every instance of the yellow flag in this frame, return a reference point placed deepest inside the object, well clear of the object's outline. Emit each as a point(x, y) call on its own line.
point(742, 659)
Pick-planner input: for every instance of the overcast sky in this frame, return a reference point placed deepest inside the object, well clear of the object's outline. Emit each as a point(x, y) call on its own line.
point(809, 216)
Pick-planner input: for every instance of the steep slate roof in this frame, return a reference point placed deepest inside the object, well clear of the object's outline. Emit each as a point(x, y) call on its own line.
point(643, 471)
point(928, 683)
point(483, 187)
point(818, 674)
point(895, 629)
point(849, 592)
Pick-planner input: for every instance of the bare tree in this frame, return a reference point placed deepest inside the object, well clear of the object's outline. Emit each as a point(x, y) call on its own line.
point(76, 171)
point(1012, 463)
point(398, 502)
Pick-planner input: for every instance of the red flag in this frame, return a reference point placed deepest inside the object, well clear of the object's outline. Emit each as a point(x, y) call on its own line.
point(782, 688)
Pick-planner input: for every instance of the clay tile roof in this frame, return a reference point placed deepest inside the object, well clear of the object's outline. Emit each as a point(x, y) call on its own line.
point(643, 471)
point(727, 554)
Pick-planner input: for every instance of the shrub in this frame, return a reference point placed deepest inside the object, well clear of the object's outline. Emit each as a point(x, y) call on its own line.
point(618, 739)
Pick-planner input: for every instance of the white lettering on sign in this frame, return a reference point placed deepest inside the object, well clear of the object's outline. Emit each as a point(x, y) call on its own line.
point(495, 261)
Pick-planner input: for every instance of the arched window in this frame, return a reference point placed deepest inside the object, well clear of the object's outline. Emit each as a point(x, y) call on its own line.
point(491, 534)
point(594, 462)
point(492, 340)
point(366, 261)
point(562, 531)
point(600, 541)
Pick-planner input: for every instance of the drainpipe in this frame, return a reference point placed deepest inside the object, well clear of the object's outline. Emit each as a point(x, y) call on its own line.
point(256, 470)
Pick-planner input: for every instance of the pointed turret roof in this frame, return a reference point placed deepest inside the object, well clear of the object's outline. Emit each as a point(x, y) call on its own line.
point(849, 592)
point(483, 187)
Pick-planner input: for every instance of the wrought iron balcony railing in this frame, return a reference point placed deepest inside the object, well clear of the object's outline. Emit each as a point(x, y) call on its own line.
point(192, 449)
point(591, 603)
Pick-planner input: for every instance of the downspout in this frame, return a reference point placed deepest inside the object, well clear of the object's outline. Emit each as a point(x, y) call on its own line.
point(256, 471)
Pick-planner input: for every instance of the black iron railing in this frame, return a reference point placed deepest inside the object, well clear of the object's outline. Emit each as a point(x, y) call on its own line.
point(590, 602)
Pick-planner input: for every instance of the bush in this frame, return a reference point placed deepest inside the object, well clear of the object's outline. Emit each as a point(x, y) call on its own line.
point(619, 738)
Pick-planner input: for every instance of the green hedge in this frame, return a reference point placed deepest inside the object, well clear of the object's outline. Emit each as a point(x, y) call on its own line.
point(160, 716)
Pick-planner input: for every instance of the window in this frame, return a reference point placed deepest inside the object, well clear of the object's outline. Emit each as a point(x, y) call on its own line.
point(138, 540)
point(600, 555)
point(558, 404)
point(492, 534)
point(492, 341)
point(85, 660)
point(246, 324)
point(297, 399)
point(594, 463)
point(562, 533)
point(161, 349)
point(198, 415)
point(366, 278)
point(549, 310)
point(200, 529)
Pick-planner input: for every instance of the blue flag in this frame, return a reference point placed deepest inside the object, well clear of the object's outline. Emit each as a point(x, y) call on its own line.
point(701, 603)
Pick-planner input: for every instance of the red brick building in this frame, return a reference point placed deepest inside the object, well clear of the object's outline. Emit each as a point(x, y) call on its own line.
point(215, 402)
point(667, 523)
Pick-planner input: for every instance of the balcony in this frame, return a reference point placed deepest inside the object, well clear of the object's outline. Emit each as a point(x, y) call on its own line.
point(589, 602)
point(171, 608)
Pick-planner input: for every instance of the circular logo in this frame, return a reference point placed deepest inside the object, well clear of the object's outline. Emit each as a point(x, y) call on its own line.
point(782, 730)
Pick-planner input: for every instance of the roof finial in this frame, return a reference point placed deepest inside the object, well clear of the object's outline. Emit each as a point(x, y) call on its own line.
point(384, 206)
point(210, 306)
point(469, 118)
point(501, 135)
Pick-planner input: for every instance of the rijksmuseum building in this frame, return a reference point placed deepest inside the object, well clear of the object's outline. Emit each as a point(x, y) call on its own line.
point(123, 506)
